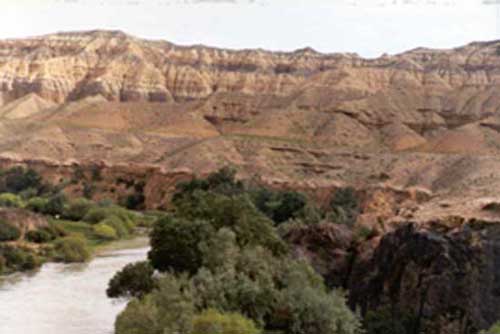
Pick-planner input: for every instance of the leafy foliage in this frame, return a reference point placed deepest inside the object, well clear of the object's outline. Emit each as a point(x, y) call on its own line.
point(389, 320)
point(8, 232)
point(18, 179)
point(18, 259)
point(72, 249)
point(10, 200)
point(495, 328)
point(168, 309)
point(55, 205)
point(105, 232)
point(279, 206)
point(40, 236)
point(37, 204)
point(345, 206)
point(174, 244)
point(134, 280)
point(214, 322)
point(224, 260)
point(77, 209)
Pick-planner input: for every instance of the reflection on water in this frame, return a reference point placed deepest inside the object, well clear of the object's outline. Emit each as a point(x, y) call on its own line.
point(65, 299)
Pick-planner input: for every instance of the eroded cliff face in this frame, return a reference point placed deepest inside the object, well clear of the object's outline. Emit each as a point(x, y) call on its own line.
point(424, 119)
point(69, 66)
point(438, 277)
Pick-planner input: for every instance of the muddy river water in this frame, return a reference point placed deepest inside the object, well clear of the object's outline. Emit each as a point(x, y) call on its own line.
point(66, 299)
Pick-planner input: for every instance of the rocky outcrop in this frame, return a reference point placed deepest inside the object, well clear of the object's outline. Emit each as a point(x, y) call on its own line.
point(444, 278)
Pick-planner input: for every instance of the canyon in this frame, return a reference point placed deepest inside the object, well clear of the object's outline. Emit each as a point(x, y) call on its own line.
point(417, 135)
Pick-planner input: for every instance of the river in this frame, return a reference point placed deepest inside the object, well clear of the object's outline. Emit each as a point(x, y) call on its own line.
point(66, 299)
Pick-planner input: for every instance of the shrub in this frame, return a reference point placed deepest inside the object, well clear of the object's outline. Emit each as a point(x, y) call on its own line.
point(495, 329)
point(71, 249)
point(18, 179)
point(105, 232)
point(10, 200)
point(55, 205)
point(168, 309)
point(118, 225)
point(135, 201)
point(37, 204)
point(40, 236)
point(134, 280)
point(345, 206)
point(174, 244)
point(19, 259)
point(390, 320)
point(77, 209)
point(279, 206)
point(56, 230)
point(96, 215)
point(8, 232)
point(213, 322)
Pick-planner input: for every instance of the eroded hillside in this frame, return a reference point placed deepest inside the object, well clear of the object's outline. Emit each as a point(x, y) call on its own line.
point(417, 132)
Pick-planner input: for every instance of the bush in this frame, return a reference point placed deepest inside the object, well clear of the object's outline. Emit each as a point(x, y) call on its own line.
point(105, 232)
point(134, 280)
point(40, 236)
point(279, 206)
point(174, 244)
point(96, 215)
point(213, 322)
point(135, 201)
point(19, 259)
point(168, 309)
point(10, 200)
point(71, 249)
point(56, 230)
point(495, 329)
point(390, 320)
point(18, 179)
point(77, 209)
point(118, 225)
point(55, 205)
point(345, 206)
point(37, 204)
point(8, 232)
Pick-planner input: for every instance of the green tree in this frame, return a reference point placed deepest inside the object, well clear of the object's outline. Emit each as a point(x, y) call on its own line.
point(134, 280)
point(55, 204)
point(234, 212)
point(174, 244)
point(214, 322)
point(71, 249)
point(168, 309)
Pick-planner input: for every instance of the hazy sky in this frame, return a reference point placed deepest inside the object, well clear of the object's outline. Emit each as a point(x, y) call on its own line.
point(368, 27)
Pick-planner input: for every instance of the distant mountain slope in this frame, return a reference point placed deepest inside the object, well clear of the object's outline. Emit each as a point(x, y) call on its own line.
point(425, 118)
